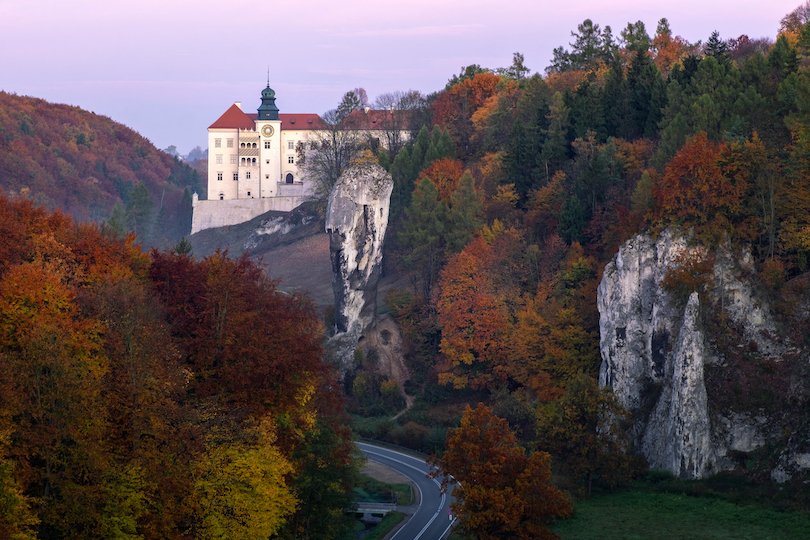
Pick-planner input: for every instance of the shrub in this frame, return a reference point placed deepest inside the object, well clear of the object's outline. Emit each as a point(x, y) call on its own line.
point(411, 435)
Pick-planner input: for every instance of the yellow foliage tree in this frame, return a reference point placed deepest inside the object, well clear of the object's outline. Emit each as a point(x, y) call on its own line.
point(241, 489)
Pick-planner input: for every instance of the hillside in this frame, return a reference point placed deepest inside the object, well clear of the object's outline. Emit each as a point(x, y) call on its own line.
point(292, 247)
point(63, 157)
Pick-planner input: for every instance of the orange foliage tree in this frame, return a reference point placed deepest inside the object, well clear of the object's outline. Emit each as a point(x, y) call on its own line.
point(694, 192)
point(480, 290)
point(500, 491)
point(445, 174)
point(454, 108)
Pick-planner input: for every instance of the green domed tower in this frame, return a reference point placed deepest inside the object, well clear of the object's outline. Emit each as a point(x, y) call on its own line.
point(268, 110)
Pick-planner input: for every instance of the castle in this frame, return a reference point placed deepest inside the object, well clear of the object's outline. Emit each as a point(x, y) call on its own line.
point(252, 160)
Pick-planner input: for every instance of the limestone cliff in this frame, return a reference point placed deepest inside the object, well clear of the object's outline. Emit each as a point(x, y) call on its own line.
point(655, 354)
point(356, 220)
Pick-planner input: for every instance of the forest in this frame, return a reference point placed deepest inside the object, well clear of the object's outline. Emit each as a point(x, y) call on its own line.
point(141, 395)
point(508, 204)
point(94, 169)
point(152, 394)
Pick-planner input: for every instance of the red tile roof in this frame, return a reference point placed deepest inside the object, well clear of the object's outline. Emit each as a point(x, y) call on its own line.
point(374, 119)
point(234, 118)
point(300, 121)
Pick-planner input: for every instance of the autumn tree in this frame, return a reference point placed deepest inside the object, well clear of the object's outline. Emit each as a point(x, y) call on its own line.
point(222, 329)
point(668, 49)
point(479, 292)
point(17, 517)
point(555, 337)
point(500, 491)
point(240, 486)
point(445, 174)
point(453, 109)
point(694, 191)
point(587, 432)
point(51, 369)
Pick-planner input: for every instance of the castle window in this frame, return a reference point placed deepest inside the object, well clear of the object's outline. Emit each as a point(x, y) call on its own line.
point(230, 143)
point(267, 144)
point(219, 158)
point(235, 177)
point(267, 176)
point(221, 196)
point(290, 145)
point(233, 159)
point(254, 145)
point(254, 161)
point(289, 178)
point(217, 143)
point(290, 159)
point(247, 175)
point(243, 161)
point(248, 194)
point(242, 145)
point(219, 176)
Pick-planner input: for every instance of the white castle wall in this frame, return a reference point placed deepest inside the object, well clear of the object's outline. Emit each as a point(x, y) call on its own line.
point(216, 213)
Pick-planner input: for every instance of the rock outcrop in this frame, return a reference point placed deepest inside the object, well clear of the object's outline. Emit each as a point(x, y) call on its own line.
point(654, 354)
point(678, 436)
point(356, 220)
point(637, 321)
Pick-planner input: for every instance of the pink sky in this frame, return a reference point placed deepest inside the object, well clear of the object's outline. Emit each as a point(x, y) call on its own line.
point(169, 68)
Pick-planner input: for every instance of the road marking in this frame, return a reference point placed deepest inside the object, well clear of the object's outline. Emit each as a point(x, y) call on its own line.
point(441, 502)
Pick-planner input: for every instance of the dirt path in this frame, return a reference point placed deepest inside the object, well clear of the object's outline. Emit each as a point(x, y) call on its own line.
point(408, 404)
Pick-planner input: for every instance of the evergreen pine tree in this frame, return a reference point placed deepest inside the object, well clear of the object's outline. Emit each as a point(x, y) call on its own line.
point(139, 211)
point(647, 93)
point(555, 146)
point(616, 102)
point(464, 214)
point(423, 235)
point(717, 48)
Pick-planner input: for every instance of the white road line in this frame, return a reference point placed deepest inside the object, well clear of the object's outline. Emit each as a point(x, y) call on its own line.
point(441, 503)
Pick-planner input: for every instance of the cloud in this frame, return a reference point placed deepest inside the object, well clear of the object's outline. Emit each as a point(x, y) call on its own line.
point(447, 30)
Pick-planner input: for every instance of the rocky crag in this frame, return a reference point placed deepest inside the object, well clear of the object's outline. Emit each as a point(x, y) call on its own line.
point(655, 356)
point(356, 221)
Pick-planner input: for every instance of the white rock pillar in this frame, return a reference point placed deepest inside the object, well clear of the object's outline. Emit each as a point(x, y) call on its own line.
point(356, 220)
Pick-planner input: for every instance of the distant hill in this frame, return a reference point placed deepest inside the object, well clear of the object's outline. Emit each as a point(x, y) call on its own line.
point(66, 158)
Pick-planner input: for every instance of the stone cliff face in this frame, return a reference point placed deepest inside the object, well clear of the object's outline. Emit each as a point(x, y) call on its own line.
point(678, 434)
point(637, 322)
point(356, 220)
point(654, 355)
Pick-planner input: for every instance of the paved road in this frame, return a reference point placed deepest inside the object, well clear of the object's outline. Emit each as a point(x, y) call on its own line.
point(431, 520)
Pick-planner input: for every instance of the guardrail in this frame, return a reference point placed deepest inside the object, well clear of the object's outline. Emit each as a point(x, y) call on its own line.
point(393, 446)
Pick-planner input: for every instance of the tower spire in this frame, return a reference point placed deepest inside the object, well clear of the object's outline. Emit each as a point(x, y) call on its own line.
point(268, 110)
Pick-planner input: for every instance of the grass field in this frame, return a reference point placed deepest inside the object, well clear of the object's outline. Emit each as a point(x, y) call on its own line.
point(369, 489)
point(647, 515)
